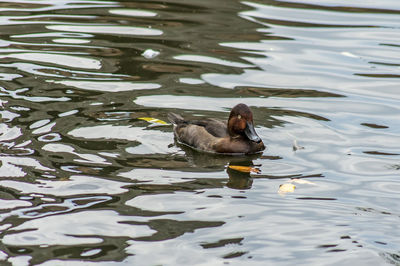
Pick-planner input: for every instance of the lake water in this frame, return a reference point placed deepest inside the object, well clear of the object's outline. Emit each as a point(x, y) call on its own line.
point(87, 178)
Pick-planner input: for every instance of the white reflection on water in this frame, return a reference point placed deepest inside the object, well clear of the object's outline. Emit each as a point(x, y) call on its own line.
point(159, 176)
point(9, 133)
point(44, 129)
point(151, 141)
point(106, 29)
point(326, 107)
point(133, 12)
point(191, 81)
point(13, 166)
point(75, 185)
point(20, 260)
point(193, 204)
point(54, 35)
point(74, 229)
point(58, 59)
point(381, 5)
point(319, 17)
point(86, 158)
point(17, 93)
point(109, 86)
point(71, 40)
point(174, 252)
point(211, 60)
point(11, 204)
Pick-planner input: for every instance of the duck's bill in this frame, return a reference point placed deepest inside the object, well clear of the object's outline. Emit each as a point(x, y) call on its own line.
point(251, 133)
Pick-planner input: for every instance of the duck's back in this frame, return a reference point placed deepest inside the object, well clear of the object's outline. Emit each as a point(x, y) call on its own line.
point(201, 134)
point(215, 127)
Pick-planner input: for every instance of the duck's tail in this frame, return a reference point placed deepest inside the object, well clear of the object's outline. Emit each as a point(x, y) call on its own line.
point(176, 119)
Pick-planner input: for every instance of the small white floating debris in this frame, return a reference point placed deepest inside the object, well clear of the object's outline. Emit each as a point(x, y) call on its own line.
point(149, 53)
point(348, 54)
point(297, 146)
point(302, 181)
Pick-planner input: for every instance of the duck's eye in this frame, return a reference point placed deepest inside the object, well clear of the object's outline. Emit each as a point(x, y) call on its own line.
point(239, 116)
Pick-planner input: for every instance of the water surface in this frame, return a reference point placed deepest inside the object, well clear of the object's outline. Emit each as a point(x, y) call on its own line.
point(86, 180)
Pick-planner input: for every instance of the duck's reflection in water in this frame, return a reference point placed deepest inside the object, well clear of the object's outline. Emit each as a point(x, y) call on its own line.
point(239, 179)
point(205, 162)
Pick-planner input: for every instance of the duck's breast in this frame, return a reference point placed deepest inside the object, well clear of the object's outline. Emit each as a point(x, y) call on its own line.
point(238, 146)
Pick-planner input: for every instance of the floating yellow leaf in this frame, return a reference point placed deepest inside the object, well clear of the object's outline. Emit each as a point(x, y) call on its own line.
point(153, 120)
point(245, 169)
point(285, 188)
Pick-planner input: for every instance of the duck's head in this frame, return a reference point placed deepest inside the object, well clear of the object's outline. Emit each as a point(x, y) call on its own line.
point(240, 123)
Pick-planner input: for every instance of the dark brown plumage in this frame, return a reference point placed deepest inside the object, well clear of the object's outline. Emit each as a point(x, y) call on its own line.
point(238, 136)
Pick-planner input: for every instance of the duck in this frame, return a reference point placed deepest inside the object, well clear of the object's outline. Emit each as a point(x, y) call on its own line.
point(236, 136)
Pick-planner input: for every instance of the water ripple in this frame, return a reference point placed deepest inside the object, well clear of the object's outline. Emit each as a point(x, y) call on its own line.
point(104, 29)
point(86, 180)
point(78, 229)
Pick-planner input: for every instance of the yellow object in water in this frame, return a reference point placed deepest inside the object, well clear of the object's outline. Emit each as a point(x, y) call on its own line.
point(245, 169)
point(153, 120)
point(285, 188)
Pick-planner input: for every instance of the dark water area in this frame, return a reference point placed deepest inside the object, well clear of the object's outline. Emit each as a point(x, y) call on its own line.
point(91, 175)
